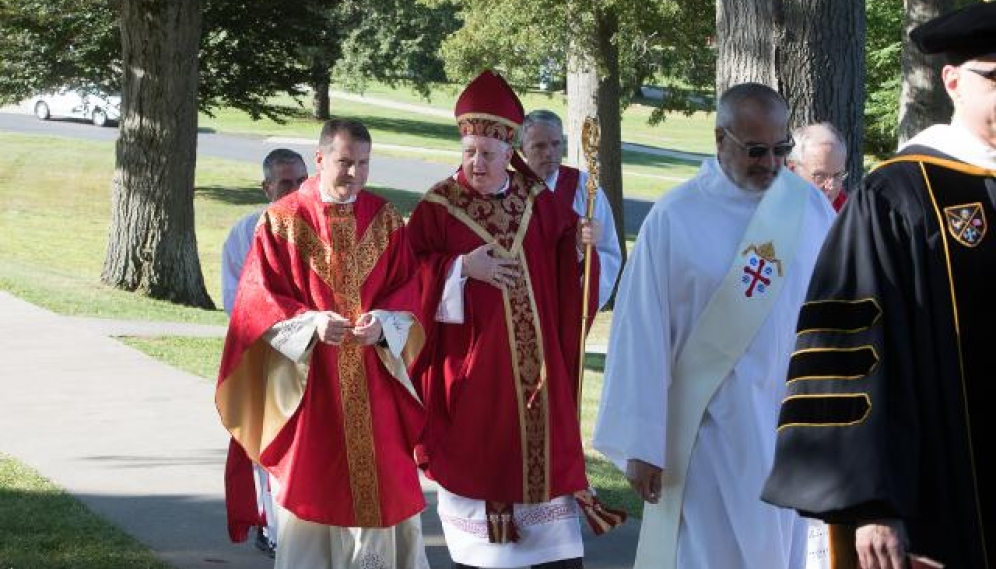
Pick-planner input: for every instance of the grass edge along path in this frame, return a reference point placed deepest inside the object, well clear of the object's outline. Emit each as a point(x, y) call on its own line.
point(43, 527)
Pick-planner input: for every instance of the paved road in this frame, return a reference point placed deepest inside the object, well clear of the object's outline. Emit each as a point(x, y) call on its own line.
point(411, 174)
point(140, 443)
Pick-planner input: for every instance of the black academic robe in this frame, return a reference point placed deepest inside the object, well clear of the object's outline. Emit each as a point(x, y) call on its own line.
point(885, 413)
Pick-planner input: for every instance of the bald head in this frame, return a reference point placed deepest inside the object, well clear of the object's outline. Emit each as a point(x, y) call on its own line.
point(751, 135)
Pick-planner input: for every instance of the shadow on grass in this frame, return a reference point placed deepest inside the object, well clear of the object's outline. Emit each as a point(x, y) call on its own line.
point(631, 158)
point(44, 527)
point(442, 132)
point(419, 126)
point(244, 195)
point(594, 362)
point(404, 200)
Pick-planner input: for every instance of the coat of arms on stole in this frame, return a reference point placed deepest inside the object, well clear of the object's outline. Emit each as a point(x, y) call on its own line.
point(760, 268)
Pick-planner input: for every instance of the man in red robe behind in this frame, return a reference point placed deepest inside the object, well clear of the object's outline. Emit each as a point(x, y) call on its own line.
point(501, 289)
point(313, 381)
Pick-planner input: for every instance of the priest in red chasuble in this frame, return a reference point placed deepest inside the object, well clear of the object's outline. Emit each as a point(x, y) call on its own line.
point(501, 298)
point(313, 382)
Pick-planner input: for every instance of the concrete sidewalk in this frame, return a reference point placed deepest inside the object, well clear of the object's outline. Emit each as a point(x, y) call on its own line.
point(140, 443)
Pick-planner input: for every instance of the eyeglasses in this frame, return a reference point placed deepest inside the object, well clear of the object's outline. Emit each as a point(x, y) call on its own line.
point(820, 179)
point(755, 151)
point(990, 75)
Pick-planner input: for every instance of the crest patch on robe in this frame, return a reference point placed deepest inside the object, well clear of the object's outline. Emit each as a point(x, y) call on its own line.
point(966, 223)
point(760, 267)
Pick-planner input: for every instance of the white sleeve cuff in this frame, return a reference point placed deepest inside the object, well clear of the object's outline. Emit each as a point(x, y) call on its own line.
point(294, 337)
point(450, 308)
point(395, 326)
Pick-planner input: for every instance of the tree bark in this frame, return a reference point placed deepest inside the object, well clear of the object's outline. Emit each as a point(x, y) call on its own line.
point(321, 105)
point(923, 100)
point(747, 35)
point(152, 247)
point(582, 100)
point(811, 51)
point(821, 69)
point(610, 123)
point(593, 89)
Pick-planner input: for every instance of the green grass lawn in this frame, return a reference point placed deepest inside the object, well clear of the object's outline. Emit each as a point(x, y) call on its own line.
point(42, 527)
point(644, 176)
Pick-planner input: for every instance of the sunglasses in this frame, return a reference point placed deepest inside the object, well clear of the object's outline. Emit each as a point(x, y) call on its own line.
point(755, 151)
point(990, 75)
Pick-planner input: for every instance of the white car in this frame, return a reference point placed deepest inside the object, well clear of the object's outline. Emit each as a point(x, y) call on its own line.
point(85, 103)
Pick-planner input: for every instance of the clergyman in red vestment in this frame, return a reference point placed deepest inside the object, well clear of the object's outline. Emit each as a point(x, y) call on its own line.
point(501, 289)
point(313, 382)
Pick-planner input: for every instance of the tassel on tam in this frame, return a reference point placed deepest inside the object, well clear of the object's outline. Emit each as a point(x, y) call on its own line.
point(600, 518)
point(501, 522)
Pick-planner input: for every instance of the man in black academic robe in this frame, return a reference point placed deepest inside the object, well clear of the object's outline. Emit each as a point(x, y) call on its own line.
point(882, 426)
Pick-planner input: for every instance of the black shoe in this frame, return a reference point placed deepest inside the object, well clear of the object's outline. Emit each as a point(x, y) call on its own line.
point(262, 543)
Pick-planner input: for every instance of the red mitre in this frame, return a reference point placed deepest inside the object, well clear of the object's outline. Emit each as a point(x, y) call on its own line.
point(489, 107)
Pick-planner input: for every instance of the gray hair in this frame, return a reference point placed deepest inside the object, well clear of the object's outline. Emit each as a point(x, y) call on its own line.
point(736, 96)
point(279, 156)
point(540, 116)
point(807, 135)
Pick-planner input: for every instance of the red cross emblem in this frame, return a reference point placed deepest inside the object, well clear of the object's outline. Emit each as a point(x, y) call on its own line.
point(760, 269)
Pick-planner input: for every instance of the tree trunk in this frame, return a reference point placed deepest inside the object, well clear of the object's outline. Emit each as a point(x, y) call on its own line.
point(746, 40)
point(821, 69)
point(152, 247)
point(321, 105)
point(582, 101)
point(610, 123)
point(923, 100)
point(811, 51)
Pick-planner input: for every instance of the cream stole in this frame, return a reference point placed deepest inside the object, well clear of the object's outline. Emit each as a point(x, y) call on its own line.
point(715, 345)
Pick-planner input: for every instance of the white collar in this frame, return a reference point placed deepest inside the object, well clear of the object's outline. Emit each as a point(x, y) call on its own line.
point(957, 141)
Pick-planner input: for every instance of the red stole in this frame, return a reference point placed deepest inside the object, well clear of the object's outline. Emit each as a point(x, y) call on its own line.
point(839, 201)
point(500, 388)
point(567, 185)
point(340, 438)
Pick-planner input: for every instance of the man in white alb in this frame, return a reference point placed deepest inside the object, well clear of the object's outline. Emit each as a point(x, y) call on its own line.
point(702, 332)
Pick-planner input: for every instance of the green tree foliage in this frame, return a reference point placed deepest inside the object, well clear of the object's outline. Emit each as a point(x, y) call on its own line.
point(657, 40)
point(50, 43)
point(883, 49)
point(246, 52)
point(392, 41)
point(249, 51)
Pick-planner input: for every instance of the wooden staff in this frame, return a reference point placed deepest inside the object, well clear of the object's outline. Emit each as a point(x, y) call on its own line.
point(589, 143)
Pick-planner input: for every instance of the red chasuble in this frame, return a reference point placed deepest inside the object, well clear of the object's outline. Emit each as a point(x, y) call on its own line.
point(339, 432)
point(500, 388)
point(567, 185)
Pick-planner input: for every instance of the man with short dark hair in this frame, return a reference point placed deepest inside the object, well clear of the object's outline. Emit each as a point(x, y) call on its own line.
point(702, 332)
point(283, 172)
point(313, 382)
point(885, 425)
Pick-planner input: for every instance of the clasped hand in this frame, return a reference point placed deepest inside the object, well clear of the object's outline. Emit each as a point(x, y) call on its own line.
point(483, 265)
point(335, 329)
